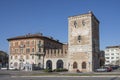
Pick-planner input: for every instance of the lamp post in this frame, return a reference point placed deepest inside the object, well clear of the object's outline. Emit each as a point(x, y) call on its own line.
point(21, 58)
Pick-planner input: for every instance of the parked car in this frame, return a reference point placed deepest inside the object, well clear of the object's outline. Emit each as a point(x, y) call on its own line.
point(114, 67)
point(104, 69)
point(101, 70)
point(4, 68)
point(109, 69)
point(11, 68)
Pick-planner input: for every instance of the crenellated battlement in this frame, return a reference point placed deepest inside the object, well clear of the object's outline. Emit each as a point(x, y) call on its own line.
point(55, 53)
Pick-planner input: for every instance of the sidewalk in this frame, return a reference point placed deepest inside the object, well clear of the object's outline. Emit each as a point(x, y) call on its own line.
point(57, 74)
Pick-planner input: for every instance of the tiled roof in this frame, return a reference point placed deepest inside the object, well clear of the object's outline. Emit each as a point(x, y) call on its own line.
point(27, 36)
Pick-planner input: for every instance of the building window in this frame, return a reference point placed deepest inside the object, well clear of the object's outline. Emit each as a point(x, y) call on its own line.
point(112, 53)
point(112, 57)
point(112, 61)
point(107, 50)
point(39, 57)
point(106, 54)
point(21, 57)
point(117, 57)
point(112, 49)
point(21, 50)
point(21, 42)
point(16, 50)
point(39, 49)
point(32, 42)
point(27, 43)
point(117, 53)
point(39, 46)
point(15, 57)
point(32, 56)
point(107, 61)
point(107, 57)
point(16, 43)
point(27, 57)
point(39, 42)
point(28, 50)
point(74, 65)
point(32, 49)
point(83, 65)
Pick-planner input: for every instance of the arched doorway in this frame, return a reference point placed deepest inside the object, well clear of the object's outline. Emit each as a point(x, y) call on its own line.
point(49, 64)
point(75, 65)
point(59, 64)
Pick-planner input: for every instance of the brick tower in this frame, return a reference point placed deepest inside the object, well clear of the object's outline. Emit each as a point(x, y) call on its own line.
point(83, 42)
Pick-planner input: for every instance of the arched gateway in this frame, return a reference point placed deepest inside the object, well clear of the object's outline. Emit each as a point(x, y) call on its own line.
point(59, 64)
point(49, 64)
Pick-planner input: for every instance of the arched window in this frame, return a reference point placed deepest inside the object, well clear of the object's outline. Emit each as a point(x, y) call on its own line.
point(83, 65)
point(74, 65)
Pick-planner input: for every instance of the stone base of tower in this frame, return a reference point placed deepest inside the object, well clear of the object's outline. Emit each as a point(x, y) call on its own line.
point(75, 67)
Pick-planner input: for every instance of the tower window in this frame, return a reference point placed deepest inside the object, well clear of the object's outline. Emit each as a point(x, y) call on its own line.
point(75, 24)
point(79, 38)
point(83, 22)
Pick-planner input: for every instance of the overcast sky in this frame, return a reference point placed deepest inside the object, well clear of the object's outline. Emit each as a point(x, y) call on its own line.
point(50, 17)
